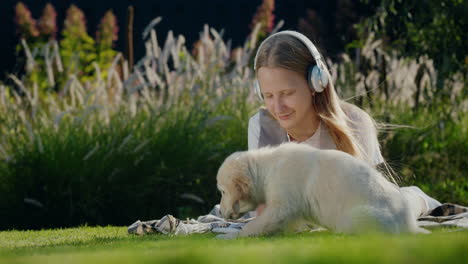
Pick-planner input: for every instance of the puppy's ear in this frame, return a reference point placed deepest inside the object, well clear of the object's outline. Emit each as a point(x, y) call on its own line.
point(242, 183)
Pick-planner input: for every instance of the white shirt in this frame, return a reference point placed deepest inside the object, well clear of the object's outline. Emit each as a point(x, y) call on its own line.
point(264, 130)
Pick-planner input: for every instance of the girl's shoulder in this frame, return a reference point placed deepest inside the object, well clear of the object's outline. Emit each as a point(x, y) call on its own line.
point(364, 129)
point(356, 115)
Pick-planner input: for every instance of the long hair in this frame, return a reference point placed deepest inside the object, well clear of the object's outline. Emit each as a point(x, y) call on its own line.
point(287, 52)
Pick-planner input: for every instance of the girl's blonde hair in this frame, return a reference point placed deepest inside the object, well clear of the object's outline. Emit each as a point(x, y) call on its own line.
point(287, 52)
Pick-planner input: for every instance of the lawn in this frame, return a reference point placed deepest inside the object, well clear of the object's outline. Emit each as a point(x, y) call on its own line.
point(114, 245)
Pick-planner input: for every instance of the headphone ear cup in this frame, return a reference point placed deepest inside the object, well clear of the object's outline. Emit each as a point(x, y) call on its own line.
point(257, 90)
point(318, 80)
point(324, 78)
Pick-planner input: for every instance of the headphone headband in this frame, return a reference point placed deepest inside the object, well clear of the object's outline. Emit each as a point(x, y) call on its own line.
point(306, 41)
point(317, 75)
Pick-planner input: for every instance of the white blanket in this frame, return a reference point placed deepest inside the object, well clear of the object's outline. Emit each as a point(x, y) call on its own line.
point(446, 215)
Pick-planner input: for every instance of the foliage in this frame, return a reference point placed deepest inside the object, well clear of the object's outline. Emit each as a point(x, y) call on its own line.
point(311, 25)
point(49, 64)
point(133, 146)
point(433, 28)
point(138, 142)
point(106, 35)
point(77, 48)
point(265, 17)
point(431, 152)
point(423, 135)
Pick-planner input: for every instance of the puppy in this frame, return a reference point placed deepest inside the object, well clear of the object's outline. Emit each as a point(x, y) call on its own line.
point(298, 182)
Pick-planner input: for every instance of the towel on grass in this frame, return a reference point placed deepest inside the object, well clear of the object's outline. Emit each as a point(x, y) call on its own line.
point(212, 222)
point(446, 215)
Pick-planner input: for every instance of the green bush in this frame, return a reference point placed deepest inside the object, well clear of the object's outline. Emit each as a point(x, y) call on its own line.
point(432, 152)
point(131, 167)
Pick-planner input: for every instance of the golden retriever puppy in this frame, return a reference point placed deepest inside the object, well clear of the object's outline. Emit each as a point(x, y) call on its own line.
point(298, 182)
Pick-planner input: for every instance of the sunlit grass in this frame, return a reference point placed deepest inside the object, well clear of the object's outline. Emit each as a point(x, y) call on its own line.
point(114, 245)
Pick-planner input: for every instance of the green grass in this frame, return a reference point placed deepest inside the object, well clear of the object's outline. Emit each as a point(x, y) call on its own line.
point(114, 245)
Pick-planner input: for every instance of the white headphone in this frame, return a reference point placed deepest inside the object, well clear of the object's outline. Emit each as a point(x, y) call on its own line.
point(317, 77)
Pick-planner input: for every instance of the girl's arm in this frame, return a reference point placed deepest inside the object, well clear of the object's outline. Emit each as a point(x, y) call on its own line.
point(253, 140)
point(253, 132)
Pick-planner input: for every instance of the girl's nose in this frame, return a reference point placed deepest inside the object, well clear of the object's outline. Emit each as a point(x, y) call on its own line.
point(278, 105)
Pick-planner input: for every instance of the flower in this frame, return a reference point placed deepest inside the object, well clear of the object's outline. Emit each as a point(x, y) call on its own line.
point(265, 16)
point(48, 21)
point(107, 30)
point(75, 22)
point(26, 25)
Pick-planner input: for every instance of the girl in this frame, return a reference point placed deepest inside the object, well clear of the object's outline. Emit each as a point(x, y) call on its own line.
point(301, 105)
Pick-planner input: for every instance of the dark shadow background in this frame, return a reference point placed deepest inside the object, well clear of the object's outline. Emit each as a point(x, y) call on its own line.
point(180, 16)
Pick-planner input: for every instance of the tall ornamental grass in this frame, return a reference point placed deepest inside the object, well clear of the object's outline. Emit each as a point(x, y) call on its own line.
point(113, 150)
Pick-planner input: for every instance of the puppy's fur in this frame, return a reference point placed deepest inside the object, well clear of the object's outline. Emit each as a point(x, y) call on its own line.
point(298, 182)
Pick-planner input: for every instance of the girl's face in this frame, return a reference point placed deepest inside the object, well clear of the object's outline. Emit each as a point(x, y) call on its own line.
point(287, 97)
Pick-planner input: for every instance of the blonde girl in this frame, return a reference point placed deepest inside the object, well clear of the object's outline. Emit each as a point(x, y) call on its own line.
point(301, 105)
